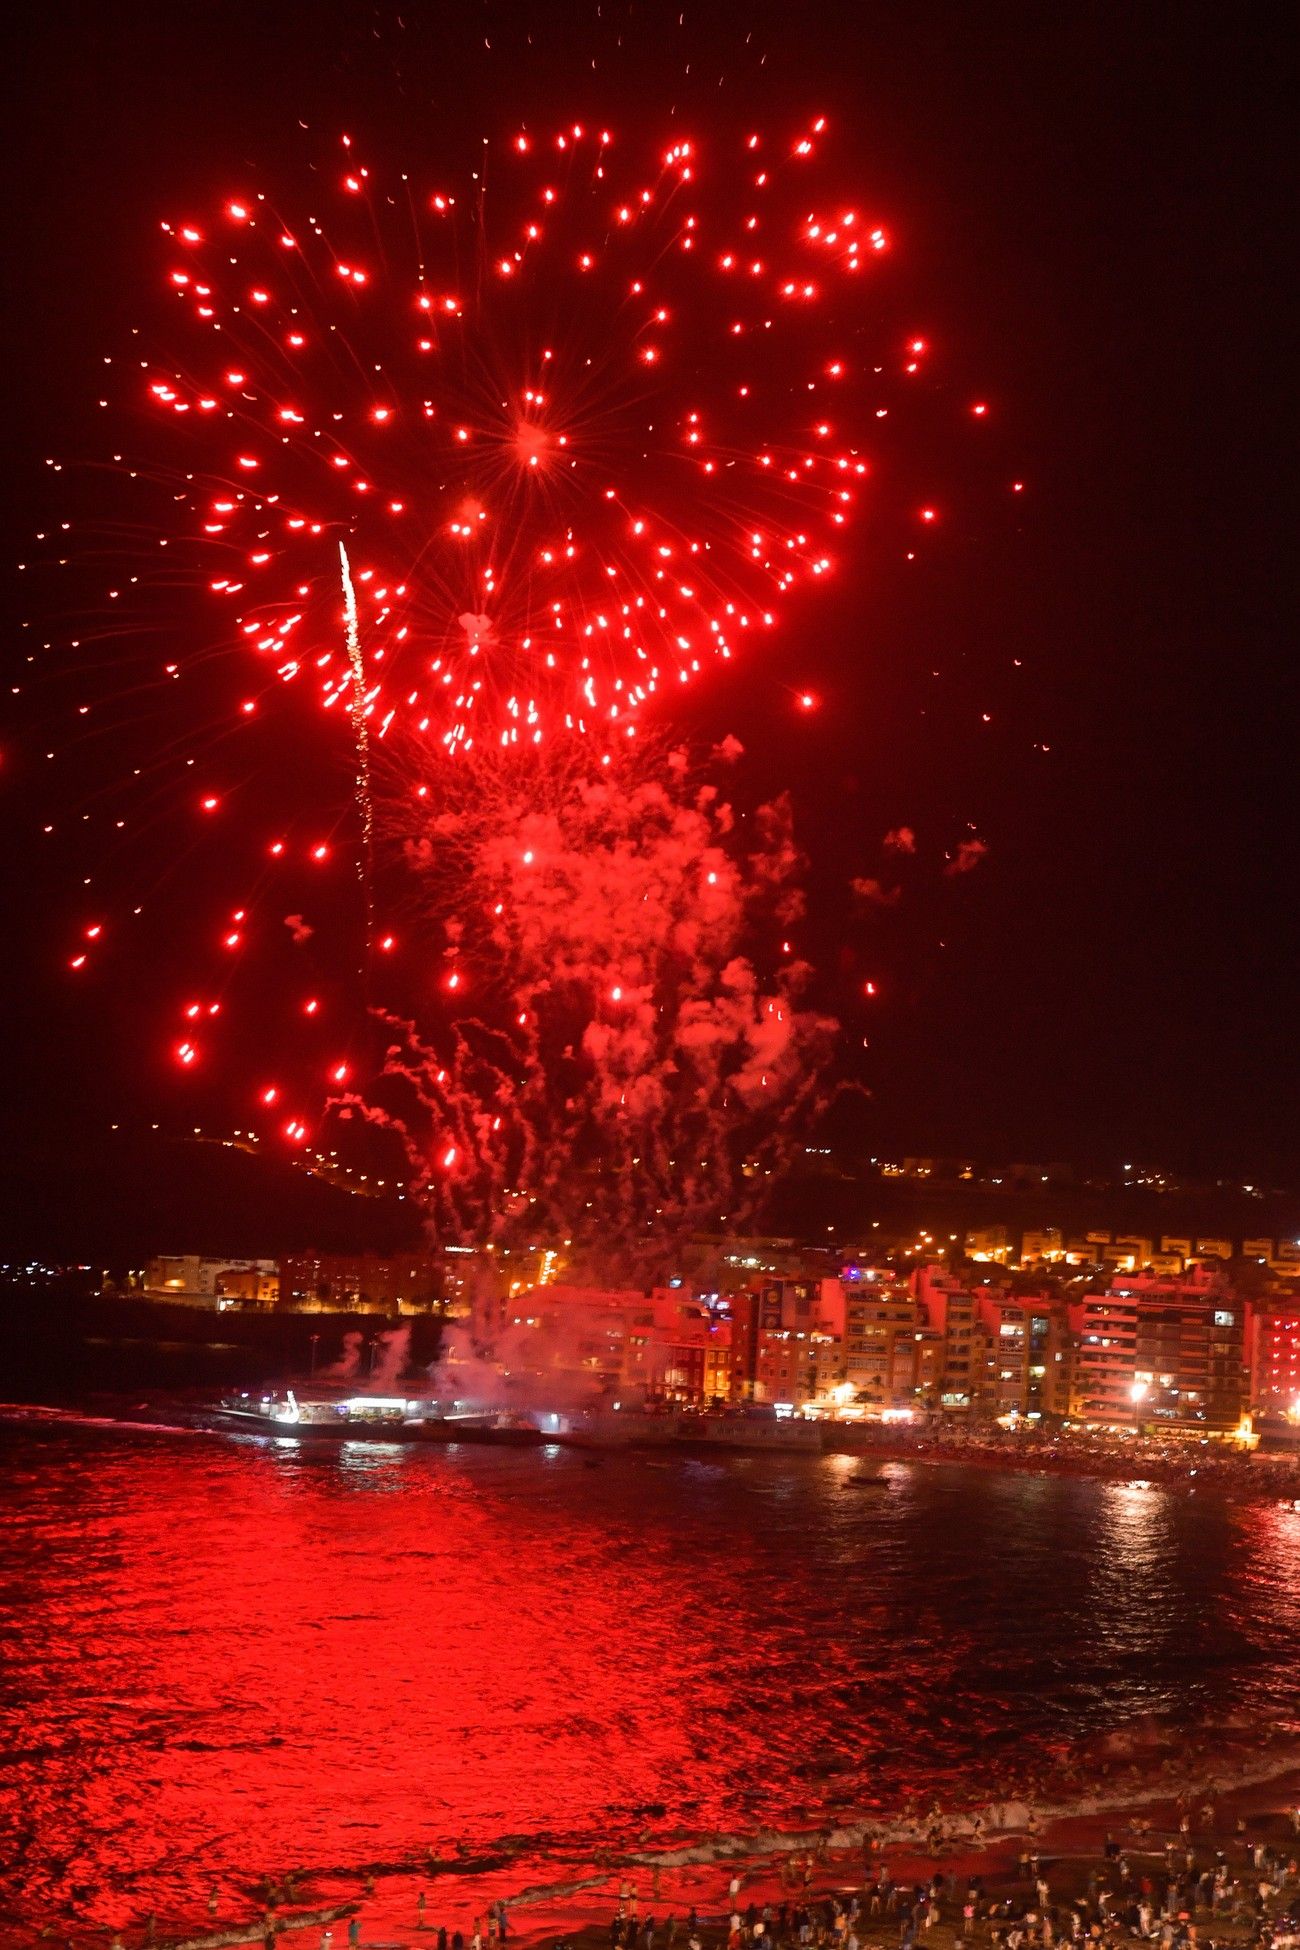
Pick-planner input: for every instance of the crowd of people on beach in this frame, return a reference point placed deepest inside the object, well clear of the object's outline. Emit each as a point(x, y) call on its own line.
point(1189, 1891)
point(1198, 1876)
point(1192, 1888)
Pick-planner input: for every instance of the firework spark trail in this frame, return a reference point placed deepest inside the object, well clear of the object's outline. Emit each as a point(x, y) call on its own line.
point(629, 1072)
point(361, 733)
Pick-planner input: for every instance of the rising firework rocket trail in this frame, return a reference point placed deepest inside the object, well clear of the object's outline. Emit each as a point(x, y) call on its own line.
point(361, 733)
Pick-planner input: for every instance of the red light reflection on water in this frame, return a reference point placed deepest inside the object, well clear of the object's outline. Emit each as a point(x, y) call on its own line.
point(230, 1658)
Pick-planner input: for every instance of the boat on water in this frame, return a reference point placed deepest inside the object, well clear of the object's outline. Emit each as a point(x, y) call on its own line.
point(338, 1414)
point(324, 1412)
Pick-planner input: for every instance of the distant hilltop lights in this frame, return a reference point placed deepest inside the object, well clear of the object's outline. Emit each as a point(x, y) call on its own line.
point(938, 1173)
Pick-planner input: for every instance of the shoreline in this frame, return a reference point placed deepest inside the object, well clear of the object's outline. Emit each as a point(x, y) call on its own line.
point(985, 1825)
point(1130, 1781)
point(1183, 1464)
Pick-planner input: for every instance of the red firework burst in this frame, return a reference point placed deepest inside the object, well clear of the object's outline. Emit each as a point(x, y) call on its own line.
point(582, 422)
point(466, 462)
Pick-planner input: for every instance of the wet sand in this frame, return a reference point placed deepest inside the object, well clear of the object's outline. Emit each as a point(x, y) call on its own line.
point(1133, 1789)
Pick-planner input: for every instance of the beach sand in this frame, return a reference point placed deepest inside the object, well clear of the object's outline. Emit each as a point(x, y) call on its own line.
point(1133, 1788)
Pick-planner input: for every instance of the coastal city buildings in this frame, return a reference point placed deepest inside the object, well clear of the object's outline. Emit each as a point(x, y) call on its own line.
point(788, 1342)
point(881, 1340)
point(1165, 1349)
point(666, 1344)
point(1184, 1353)
point(1272, 1348)
point(362, 1282)
point(303, 1282)
point(1028, 1354)
point(188, 1279)
point(1187, 1332)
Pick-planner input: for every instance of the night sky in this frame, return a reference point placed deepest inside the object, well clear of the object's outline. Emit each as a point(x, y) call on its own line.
point(1090, 204)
